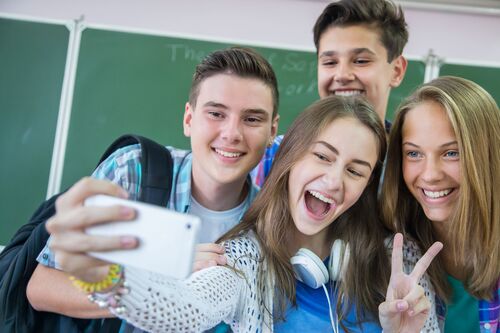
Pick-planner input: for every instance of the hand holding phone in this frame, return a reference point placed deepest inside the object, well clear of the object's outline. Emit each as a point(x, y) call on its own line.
point(167, 238)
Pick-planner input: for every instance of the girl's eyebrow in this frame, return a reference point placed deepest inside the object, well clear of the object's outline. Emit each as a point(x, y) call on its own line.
point(444, 145)
point(336, 152)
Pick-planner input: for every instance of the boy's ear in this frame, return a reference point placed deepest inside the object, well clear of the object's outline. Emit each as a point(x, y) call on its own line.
point(399, 69)
point(274, 128)
point(188, 116)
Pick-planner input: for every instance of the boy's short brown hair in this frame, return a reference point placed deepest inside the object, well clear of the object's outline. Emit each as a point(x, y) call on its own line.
point(239, 61)
point(383, 15)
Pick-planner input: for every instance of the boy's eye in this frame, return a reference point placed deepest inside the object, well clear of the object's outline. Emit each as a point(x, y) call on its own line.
point(361, 61)
point(329, 62)
point(254, 120)
point(215, 114)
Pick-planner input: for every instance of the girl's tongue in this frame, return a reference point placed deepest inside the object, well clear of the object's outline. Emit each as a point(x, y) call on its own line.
point(315, 205)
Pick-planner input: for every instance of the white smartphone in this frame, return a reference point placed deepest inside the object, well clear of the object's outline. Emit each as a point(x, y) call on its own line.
point(167, 238)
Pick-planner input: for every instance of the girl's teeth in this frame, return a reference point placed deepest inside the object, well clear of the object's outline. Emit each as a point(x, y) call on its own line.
point(321, 197)
point(437, 194)
point(227, 154)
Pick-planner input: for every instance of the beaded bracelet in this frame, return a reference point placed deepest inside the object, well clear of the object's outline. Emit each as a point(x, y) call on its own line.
point(111, 299)
point(114, 276)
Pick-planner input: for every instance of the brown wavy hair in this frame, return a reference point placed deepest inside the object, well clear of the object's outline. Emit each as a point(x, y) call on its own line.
point(475, 224)
point(270, 219)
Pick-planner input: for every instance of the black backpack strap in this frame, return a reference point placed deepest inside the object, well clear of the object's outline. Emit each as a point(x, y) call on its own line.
point(156, 164)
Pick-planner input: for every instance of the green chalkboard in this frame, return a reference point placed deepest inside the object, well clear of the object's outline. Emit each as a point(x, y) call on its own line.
point(32, 61)
point(129, 82)
point(486, 77)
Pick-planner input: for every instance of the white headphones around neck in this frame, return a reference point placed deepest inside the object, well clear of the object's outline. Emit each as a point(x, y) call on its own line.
point(310, 270)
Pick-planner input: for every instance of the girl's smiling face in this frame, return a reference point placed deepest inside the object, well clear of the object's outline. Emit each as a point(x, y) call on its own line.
point(431, 160)
point(331, 176)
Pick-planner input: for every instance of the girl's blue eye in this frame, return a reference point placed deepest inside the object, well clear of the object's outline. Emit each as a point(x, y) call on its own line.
point(452, 154)
point(412, 154)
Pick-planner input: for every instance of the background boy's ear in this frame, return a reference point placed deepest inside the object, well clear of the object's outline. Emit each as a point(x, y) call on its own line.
point(399, 69)
point(188, 116)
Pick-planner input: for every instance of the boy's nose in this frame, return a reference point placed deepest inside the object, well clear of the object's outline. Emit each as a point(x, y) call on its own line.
point(344, 73)
point(232, 131)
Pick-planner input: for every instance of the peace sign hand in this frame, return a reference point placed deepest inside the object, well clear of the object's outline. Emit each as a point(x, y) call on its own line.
point(406, 308)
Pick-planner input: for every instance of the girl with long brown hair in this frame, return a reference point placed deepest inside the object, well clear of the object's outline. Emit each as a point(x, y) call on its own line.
point(442, 182)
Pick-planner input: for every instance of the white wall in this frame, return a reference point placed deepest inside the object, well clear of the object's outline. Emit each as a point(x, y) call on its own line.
point(457, 37)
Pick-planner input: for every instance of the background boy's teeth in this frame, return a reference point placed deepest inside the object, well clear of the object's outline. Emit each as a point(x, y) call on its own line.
point(348, 93)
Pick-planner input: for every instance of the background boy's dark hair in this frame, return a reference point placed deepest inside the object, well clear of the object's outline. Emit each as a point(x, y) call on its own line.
point(239, 61)
point(383, 15)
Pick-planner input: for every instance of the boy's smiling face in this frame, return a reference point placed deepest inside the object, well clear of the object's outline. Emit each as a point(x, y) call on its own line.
point(230, 127)
point(353, 61)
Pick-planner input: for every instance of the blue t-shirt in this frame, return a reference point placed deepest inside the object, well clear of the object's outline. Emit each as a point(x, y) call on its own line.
point(312, 313)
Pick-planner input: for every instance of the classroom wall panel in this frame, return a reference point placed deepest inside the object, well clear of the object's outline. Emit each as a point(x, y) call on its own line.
point(32, 61)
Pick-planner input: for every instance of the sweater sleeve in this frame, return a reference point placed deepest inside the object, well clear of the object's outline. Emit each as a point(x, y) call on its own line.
point(160, 304)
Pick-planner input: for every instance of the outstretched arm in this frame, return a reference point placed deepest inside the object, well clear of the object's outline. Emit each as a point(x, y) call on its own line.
point(51, 290)
point(154, 302)
point(406, 307)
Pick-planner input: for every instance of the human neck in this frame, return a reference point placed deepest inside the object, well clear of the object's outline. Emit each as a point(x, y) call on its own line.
point(217, 197)
point(452, 267)
point(382, 112)
point(316, 243)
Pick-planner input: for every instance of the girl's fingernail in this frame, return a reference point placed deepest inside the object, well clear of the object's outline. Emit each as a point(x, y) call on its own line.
point(411, 313)
point(128, 242)
point(123, 194)
point(400, 306)
point(127, 212)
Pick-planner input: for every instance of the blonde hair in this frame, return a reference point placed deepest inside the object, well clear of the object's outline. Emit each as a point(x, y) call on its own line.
point(270, 219)
point(475, 225)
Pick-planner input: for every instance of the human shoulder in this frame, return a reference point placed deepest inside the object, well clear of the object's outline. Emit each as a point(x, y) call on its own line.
point(123, 156)
point(177, 153)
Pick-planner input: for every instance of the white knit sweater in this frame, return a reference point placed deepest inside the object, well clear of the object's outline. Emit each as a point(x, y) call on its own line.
point(160, 304)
